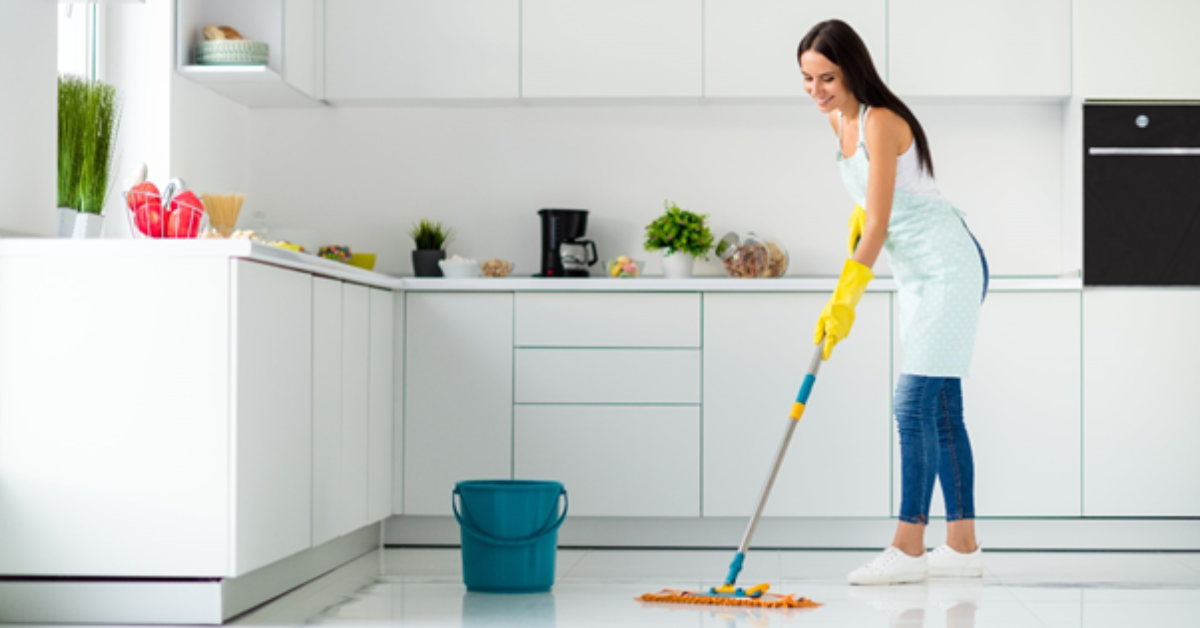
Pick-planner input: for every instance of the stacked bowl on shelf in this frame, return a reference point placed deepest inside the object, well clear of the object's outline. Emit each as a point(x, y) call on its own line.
point(232, 52)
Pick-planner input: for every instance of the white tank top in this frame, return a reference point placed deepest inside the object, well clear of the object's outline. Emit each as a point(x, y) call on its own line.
point(910, 178)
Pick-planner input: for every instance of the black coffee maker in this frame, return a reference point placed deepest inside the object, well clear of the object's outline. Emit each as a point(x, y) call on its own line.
point(564, 254)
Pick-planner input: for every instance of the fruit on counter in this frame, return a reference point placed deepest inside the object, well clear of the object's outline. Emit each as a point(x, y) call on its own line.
point(183, 222)
point(185, 199)
point(142, 193)
point(149, 219)
point(623, 266)
point(284, 244)
point(335, 252)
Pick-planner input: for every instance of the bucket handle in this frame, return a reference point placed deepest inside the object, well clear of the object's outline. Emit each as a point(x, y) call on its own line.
point(495, 540)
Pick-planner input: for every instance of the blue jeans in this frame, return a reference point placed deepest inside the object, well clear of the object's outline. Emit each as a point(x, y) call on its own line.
point(933, 444)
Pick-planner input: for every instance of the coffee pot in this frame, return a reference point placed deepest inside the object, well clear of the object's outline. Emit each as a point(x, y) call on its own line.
point(564, 252)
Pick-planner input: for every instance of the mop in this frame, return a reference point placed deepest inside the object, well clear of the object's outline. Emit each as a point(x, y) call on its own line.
point(729, 594)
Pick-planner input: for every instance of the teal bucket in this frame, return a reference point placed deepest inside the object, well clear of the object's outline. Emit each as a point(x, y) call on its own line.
point(509, 533)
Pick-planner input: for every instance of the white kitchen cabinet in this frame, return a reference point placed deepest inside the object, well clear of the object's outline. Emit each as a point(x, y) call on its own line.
point(356, 424)
point(1140, 401)
point(272, 340)
point(1005, 48)
point(164, 434)
point(1137, 50)
point(398, 402)
point(384, 49)
point(327, 408)
point(632, 319)
point(1021, 406)
point(611, 48)
point(293, 31)
point(458, 402)
point(757, 349)
point(616, 461)
point(381, 415)
point(607, 376)
point(750, 45)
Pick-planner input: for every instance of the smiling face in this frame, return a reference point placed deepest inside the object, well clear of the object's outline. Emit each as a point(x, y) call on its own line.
point(824, 81)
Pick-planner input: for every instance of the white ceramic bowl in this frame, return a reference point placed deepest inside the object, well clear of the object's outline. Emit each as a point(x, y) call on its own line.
point(459, 270)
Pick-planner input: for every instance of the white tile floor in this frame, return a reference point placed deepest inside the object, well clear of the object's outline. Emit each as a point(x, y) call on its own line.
point(423, 587)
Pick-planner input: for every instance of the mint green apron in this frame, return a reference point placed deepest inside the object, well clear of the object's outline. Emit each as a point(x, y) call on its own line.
point(937, 269)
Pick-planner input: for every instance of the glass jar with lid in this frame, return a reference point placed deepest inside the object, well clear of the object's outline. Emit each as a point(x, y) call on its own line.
point(744, 255)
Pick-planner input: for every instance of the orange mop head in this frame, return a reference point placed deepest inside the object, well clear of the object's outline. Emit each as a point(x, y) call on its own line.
point(762, 600)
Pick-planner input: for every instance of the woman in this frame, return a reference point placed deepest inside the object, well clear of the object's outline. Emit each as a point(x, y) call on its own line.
point(941, 278)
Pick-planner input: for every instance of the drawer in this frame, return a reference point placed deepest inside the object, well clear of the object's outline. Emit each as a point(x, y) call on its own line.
point(623, 319)
point(607, 376)
point(618, 461)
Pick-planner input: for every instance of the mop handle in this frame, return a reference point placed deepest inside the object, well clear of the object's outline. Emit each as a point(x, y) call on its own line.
point(794, 418)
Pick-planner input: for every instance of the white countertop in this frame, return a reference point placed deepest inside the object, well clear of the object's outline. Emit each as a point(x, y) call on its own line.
point(14, 247)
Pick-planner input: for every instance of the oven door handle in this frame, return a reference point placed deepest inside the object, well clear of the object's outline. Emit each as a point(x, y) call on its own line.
point(1147, 152)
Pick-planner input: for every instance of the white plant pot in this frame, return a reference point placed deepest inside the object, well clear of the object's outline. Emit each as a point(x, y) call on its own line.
point(88, 225)
point(677, 265)
point(65, 225)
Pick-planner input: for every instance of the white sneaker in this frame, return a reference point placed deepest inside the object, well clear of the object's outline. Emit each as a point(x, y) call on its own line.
point(944, 562)
point(891, 567)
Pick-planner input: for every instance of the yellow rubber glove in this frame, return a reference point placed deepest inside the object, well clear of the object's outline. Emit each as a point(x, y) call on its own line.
point(858, 222)
point(838, 315)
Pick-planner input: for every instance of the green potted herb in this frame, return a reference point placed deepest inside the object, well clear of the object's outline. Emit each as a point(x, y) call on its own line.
point(430, 239)
point(682, 236)
point(88, 120)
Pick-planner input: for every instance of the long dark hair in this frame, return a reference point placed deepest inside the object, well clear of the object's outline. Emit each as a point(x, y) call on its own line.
point(841, 45)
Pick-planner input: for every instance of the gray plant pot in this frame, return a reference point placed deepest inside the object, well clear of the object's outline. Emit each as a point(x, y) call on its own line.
point(425, 262)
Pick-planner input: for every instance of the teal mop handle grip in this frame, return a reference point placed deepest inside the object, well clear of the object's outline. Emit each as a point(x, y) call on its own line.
point(735, 568)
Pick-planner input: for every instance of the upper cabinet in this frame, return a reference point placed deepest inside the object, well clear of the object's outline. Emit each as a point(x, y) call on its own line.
point(292, 30)
point(611, 48)
point(384, 49)
point(750, 45)
point(376, 51)
point(985, 48)
point(1143, 50)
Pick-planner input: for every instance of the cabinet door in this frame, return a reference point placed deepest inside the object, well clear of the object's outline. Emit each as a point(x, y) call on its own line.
point(115, 432)
point(757, 349)
point(356, 373)
point(607, 376)
point(458, 406)
point(610, 48)
point(302, 26)
point(1140, 402)
point(1021, 406)
point(750, 45)
point(1144, 50)
point(617, 461)
point(398, 404)
point(606, 319)
point(327, 408)
point(421, 49)
point(272, 340)
point(985, 48)
point(379, 453)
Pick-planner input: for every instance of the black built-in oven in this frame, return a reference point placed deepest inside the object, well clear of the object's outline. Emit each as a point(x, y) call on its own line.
point(1141, 194)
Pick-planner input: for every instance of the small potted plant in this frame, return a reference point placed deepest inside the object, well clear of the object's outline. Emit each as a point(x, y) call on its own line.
point(681, 236)
point(88, 119)
point(430, 239)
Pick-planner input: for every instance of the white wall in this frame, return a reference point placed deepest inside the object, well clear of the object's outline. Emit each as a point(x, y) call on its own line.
point(174, 126)
point(28, 117)
point(362, 176)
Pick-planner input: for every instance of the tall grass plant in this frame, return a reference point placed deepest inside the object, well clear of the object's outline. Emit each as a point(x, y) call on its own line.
point(88, 122)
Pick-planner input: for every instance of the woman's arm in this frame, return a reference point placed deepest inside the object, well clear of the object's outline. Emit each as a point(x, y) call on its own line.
point(885, 135)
